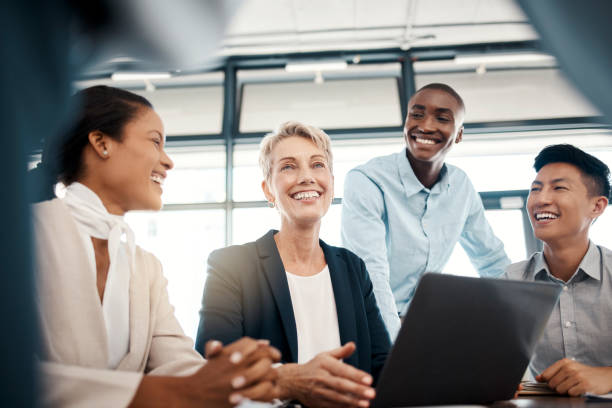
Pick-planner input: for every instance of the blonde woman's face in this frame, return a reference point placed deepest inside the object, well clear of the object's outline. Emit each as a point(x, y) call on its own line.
point(301, 185)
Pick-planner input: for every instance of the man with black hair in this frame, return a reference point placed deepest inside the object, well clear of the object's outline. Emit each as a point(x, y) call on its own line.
point(404, 213)
point(571, 189)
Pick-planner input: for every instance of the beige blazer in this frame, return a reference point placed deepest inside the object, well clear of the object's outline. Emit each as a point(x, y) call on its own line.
point(74, 356)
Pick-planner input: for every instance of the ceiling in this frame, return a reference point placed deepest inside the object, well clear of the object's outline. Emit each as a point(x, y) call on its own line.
point(290, 26)
point(280, 27)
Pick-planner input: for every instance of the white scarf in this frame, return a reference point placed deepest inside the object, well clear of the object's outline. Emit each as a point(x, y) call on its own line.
point(94, 220)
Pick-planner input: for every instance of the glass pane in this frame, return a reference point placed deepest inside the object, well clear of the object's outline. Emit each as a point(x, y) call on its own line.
point(508, 226)
point(247, 174)
point(187, 104)
point(252, 223)
point(189, 110)
point(497, 172)
point(198, 175)
point(181, 240)
point(333, 104)
point(498, 162)
point(347, 154)
point(600, 230)
point(514, 94)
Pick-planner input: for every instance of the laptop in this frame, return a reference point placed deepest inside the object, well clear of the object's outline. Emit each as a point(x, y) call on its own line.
point(465, 341)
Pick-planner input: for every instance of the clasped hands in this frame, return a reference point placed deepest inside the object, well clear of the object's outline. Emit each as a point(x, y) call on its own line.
point(326, 382)
point(570, 377)
point(244, 370)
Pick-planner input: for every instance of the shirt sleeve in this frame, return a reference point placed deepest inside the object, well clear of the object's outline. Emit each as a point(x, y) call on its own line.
point(74, 386)
point(364, 233)
point(484, 249)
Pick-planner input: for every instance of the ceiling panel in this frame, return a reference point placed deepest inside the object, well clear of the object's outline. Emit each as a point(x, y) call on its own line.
point(388, 13)
point(317, 15)
point(472, 34)
point(442, 12)
point(263, 16)
point(498, 10)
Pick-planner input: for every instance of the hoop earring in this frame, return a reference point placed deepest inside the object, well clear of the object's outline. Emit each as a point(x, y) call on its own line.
point(271, 204)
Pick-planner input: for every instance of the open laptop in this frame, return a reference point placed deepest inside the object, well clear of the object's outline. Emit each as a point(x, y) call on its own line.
point(465, 341)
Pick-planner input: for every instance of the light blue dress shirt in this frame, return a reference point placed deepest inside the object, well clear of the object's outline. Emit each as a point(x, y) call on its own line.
point(402, 229)
point(580, 326)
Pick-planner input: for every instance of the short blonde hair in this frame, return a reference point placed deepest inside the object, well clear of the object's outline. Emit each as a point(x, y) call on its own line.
point(289, 129)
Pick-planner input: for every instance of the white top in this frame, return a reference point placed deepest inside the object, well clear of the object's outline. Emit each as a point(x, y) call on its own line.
point(316, 317)
point(93, 220)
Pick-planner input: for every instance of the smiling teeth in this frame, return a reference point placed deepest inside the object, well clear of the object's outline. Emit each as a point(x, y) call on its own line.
point(158, 179)
point(425, 141)
point(546, 216)
point(305, 194)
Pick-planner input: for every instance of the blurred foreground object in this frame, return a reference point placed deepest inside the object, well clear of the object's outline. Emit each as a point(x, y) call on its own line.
point(579, 34)
point(45, 44)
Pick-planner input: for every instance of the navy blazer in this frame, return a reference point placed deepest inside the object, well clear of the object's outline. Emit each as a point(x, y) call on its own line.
point(247, 294)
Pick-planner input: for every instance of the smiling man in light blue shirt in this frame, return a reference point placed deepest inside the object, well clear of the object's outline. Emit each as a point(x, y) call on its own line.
point(404, 213)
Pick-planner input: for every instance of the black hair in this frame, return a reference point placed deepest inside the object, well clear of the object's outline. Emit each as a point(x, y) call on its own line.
point(444, 88)
point(101, 108)
point(594, 170)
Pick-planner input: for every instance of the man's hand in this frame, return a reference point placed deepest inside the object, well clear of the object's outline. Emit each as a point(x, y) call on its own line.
point(325, 381)
point(570, 377)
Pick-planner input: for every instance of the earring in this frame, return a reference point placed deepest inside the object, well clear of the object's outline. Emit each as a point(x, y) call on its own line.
point(271, 204)
point(105, 153)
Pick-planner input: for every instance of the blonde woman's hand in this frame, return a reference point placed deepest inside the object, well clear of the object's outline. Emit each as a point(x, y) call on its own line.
point(325, 381)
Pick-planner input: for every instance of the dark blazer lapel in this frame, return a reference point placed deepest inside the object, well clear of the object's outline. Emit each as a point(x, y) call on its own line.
point(343, 295)
point(277, 279)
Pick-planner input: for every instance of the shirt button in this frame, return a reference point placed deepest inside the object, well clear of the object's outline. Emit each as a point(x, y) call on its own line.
point(565, 288)
point(568, 324)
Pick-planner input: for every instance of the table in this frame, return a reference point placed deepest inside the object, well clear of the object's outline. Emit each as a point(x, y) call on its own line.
point(551, 401)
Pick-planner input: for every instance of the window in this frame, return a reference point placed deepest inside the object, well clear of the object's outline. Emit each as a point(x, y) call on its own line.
point(508, 94)
point(508, 226)
point(188, 111)
point(181, 240)
point(498, 162)
point(336, 101)
point(600, 230)
point(198, 175)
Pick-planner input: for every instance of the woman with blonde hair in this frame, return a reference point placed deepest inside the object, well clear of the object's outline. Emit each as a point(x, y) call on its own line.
point(312, 301)
point(109, 335)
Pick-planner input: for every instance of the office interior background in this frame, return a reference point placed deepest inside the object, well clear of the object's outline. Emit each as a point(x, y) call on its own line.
point(349, 67)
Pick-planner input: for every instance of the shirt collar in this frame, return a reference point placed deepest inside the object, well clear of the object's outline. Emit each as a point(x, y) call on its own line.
point(590, 264)
point(411, 183)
